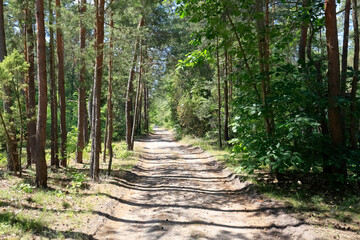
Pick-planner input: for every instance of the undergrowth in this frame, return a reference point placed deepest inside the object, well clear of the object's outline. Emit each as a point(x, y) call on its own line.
point(305, 195)
point(61, 210)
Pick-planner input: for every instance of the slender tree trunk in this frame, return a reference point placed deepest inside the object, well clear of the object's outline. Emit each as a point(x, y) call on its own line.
point(345, 47)
point(354, 116)
point(303, 38)
point(146, 124)
point(53, 94)
point(219, 92)
point(41, 167)
point(226, 99)
point(81, 89)
point(30, 91)
point(264, 56)
point(140, 109)
point(96, 129)
point(61, 87)
point(129, 94)
point(105, 137)
point(26, 81)
point(90, 111)
point(137, 97)
point(109, 128)
point(334, 91)
point(147, 109)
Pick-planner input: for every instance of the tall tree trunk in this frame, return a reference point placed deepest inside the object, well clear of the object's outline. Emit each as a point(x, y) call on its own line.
point(129, 93)
point(303, 38)
point(345, 47)
point(11, 140)
point(226, 99)
point(61, 87)
point(96, 129)
point(53, 94)
point(41, 167)
point(140, 109)
point(146, 123)
point(334, 91)
point(90, 111)
point(81, 89)
point(137, 97)
point(30, 91)
point(109, 122)
point(106, 135)
point(264, 55)
point(219, 92)
point(354, 116)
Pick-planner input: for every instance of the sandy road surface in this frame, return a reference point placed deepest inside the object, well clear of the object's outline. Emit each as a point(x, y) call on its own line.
point(179, 192)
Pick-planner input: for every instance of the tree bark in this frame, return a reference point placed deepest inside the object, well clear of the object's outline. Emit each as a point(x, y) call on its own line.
point(61, 87)
point(41, 167)
point(303, 38)
point(129, 115)
point(137, 98)
point(146, 123)
point(96, 129)
point(109, 122)
point(345, 47)
point(226, 99)
point(334, 91)
point(30, 91)
point(53, 94)
point(81, 89)
point(219, 92)
point(90, 111)
point(264, 56)
point(354, 116)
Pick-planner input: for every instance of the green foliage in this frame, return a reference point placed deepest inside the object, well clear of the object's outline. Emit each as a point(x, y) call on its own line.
point(78, 180)
point(19, 222)
point(3, 159)
point(24, 187)
point(72, 140)
point(120, 151)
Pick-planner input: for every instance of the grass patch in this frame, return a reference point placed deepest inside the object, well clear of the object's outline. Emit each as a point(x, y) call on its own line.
point(65, 209)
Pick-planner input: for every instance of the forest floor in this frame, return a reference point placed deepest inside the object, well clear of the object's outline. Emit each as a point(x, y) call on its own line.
point(163, 190)
point(178, 191)
point(68, 208)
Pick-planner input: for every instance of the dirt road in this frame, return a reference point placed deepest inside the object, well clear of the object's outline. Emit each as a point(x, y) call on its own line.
point(179, 192)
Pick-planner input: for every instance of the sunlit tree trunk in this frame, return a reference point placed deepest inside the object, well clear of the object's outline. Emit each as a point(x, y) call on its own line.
point(53, 94)
point(109, 95)
point(96, 125)
point(109, 103)
point(61, 86)
point(30, 89)
point(146, 122)
point(334, 91)
point(41, 167)
point(81, 89)
point(129, 115)
point(137, 98)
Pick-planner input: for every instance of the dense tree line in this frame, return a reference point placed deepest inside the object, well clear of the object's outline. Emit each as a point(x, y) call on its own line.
point(66, 60)
point(268, 79)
